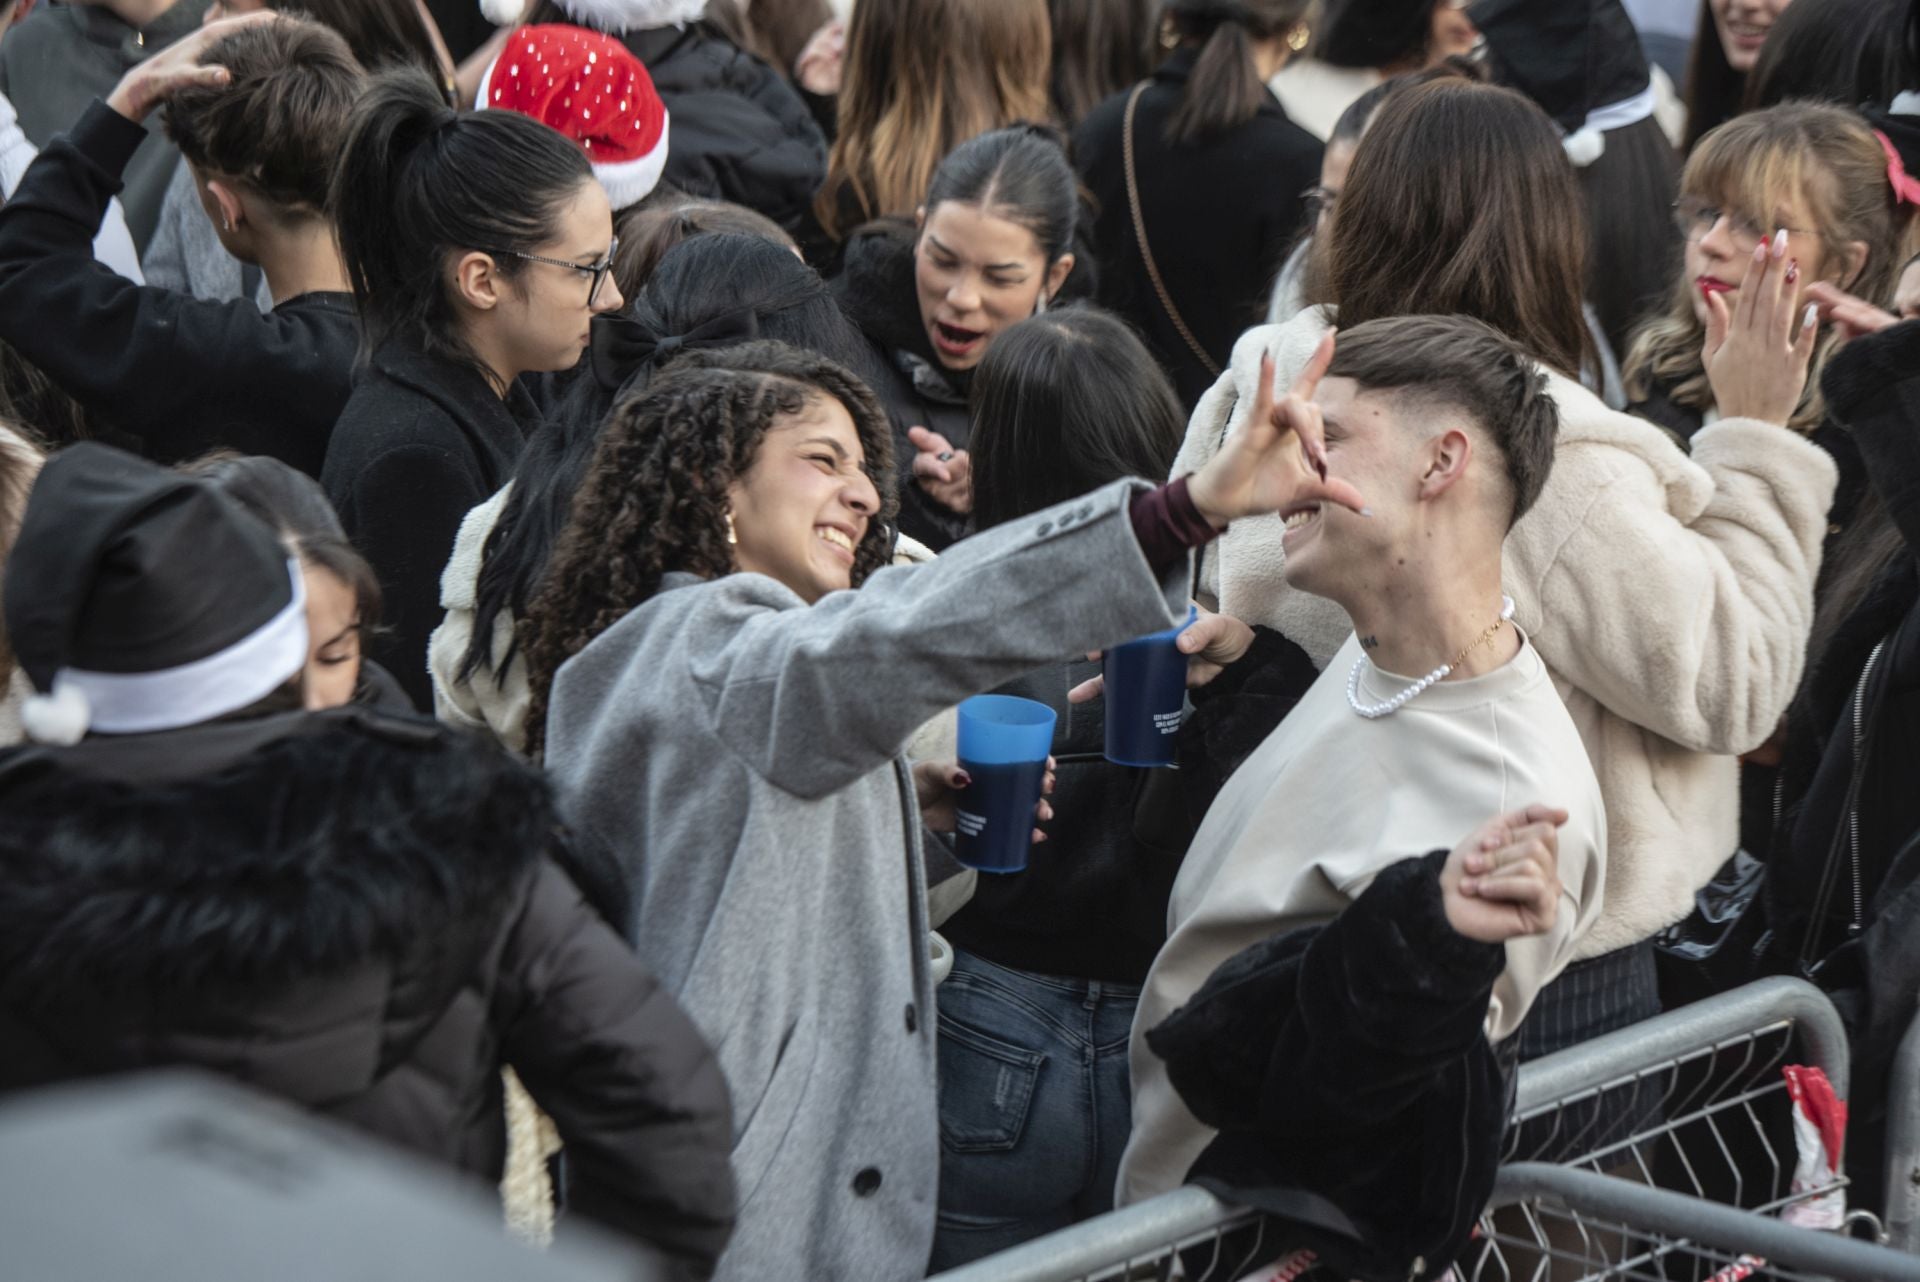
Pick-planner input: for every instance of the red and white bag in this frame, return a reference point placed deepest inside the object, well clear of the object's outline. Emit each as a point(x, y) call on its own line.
point(1819, 1135)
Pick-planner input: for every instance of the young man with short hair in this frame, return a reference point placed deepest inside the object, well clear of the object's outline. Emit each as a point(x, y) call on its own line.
point(258, 105)
point(1435, 715)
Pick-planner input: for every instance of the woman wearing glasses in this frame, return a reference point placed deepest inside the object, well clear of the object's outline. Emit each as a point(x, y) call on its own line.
point(1817, 173)
point(1813, 170)
point(479, 248)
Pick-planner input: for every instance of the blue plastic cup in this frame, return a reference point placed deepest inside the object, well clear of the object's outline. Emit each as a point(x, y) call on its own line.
point(1004, 742)
point(1146, 683)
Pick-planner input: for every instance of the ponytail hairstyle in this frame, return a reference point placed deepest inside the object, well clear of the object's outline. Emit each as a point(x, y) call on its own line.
point(417, 183)
point(1020, 174)
point(1224, 89)
point(736, 285)
point(654, 498)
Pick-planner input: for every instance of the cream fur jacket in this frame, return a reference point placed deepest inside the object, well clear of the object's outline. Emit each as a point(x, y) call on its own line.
point(1670, 595)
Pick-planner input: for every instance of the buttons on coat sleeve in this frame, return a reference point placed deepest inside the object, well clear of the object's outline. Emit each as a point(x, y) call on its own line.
point(1046, 528)
point(1086, 510)
point(867, 1183)
point(913, 1019)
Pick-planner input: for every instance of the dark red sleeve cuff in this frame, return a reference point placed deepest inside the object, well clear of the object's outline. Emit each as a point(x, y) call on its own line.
point(1168, 525)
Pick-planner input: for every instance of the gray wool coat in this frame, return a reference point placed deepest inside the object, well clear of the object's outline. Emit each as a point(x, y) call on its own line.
point(740, 753)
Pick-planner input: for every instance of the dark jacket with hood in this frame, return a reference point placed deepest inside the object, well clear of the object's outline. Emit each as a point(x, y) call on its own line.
point(353, 912)
point(1873, 385)
point(739, 132)
point(1346, 1070)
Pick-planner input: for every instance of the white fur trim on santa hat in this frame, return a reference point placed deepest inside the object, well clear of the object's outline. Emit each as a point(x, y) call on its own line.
point(141, 702)
point(612, 16)
point(628, 182)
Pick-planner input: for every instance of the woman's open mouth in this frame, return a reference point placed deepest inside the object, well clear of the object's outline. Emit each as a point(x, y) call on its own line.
point(1748, 35)
point(837, 539)
point(955, 340)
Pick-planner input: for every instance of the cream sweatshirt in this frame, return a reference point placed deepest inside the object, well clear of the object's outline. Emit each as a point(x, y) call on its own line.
point(1670, 595)
point(1326, 802)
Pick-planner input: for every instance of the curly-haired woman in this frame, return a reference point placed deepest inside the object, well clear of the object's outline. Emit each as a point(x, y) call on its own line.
point(729, 723)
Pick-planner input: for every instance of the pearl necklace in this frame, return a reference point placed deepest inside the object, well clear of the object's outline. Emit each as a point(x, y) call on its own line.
point(1374, 711)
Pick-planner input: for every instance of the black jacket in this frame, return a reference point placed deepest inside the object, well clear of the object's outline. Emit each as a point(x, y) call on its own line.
point(423, 441)
point(877, 291)
point(1348, 1061)
point(1220, 216)
point(177, 374)
point(352, 912)
point(740, 132)
point(1873, 386)
point(1092, 902)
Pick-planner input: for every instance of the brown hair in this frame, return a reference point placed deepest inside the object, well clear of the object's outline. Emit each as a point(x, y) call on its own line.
point(654, 498)
point(1462, 200)
point(1099, 48)
point(280, 120)
point(647, 233)
point(774, 31)
point(1224, 89)
point(922, 77)
point(1461, 364)
point(1826, 157)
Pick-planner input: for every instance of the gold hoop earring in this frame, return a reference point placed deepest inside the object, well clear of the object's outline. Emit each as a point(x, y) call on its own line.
point(732, 538)
point(1298, 37)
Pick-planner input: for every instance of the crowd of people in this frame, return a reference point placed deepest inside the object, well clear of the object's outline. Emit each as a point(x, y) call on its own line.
point(499, 505)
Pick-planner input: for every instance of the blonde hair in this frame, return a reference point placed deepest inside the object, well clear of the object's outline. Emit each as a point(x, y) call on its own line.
point(1828, 160)
point(922, 77)
point(20, 460)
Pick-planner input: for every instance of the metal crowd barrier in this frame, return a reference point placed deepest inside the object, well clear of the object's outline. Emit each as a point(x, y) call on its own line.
point(1903, 1143)
point(1687, 1188)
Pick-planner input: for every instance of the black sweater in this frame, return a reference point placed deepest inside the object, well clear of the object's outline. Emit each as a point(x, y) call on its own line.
point(178, 374)
point(423, 441)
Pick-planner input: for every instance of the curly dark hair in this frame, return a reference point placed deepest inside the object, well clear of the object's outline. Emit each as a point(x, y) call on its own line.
point(654, 499)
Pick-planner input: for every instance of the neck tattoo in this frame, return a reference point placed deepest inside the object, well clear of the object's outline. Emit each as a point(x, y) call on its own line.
point(1369, 643)
point(1374, 711)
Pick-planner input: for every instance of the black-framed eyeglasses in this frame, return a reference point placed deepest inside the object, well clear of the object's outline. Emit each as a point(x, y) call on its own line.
point(599, 271)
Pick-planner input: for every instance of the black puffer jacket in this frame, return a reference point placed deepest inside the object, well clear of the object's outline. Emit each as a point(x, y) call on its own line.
point(353, 912)
point(738, 131)
point(1347, 1062)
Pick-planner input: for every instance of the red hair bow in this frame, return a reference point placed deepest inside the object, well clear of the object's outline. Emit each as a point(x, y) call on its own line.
point(1905, 186)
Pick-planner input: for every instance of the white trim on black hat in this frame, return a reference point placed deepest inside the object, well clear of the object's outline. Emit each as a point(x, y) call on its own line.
point(142, 702)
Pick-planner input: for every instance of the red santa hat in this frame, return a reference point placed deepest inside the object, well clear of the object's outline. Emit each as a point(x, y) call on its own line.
point(606, 15)
point(592, 89)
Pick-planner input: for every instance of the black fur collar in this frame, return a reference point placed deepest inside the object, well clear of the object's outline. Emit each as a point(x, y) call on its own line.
point(876, 288)
point(299, 846)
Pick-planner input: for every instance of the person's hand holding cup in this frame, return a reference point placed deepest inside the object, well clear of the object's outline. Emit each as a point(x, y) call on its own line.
point(1005, 747)
point(1212, 643)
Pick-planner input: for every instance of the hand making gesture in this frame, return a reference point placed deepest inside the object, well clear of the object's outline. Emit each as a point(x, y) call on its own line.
point(1756, 353)
point(1277, 461)
point(1503, 881)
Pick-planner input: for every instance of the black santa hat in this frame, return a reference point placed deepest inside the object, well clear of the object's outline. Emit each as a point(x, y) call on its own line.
point(139, 599)
point(1580, 60)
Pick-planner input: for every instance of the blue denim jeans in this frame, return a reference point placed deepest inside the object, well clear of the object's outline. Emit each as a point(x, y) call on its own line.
point(1035, 1104)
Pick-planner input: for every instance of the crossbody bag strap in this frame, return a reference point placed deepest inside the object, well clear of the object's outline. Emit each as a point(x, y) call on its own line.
point(1140, 235)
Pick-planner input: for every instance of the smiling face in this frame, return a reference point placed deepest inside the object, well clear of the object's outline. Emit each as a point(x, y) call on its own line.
point(1742, 26)
point(805, 503)
point(1328, 549)
point(975, 274)
point(333, 638)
